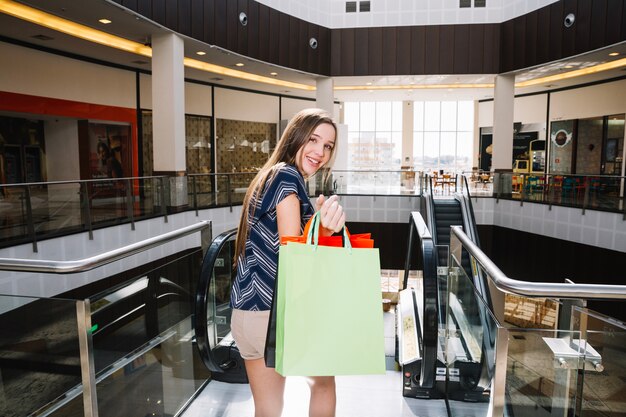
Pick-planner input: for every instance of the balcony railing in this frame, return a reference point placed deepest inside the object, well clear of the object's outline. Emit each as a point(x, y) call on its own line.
point(35, 211)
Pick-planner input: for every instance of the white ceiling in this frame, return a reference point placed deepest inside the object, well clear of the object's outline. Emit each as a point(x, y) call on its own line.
point(133, 27)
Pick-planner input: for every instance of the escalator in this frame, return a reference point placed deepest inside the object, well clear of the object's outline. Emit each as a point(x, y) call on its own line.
point(456, 362)
point(214, 341)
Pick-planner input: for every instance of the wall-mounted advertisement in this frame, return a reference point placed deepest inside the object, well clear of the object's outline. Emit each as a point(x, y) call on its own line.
point(562, 138)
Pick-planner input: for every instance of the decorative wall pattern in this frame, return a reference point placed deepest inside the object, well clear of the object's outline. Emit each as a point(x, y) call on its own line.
point(198, 144)
point(243, 146)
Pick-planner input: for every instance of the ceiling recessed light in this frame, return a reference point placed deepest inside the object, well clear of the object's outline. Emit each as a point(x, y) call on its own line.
point(368, 83)
point(104, 21)
point(274, 74)
point(200, 53)
point(568, 66)
point(239, 64)
point(614, 54)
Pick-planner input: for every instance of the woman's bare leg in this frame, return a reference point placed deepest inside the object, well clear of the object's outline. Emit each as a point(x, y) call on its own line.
point(323, 396)
point(268, 388)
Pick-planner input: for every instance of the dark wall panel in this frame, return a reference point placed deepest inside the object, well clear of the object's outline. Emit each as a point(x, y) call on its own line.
point(545, 259)
point(598, 20)
point(614, 21)
point(461, 49)
point(569, 34)
point(232, 25)
point(184, 17)
point(403, 60)
point(264, 33)
point(197, 19)
point(476, 47)
point(220, 23)
point(389, 50)
point(209, 21)
point(446, 49)
point(375, 56)
point(583, 27)
point(418, 49)
point(535, 38)
point(530, 42)
point(253, 35)
point(242, 31)
point(347, 51)
point(507, 50)
point(361, 51)
point(324, 50)
point(431, 53)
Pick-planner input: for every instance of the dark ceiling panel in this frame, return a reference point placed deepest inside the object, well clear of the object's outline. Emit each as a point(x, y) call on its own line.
point(477, 49)
point(431, 54)
point(347, 51)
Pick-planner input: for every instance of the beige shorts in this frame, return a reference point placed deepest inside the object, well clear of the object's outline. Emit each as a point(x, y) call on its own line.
point(249, 329)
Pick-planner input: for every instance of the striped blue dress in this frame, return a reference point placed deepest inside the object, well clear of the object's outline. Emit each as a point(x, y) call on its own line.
point(257, 267)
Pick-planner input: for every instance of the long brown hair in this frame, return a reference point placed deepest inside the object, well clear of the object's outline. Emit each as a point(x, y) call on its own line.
point(296, 135)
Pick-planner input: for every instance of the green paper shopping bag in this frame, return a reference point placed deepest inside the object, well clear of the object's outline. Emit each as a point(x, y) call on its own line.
point(329, 319)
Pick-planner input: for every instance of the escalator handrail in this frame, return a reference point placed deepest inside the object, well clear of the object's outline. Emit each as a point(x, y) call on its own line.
point(204, 283)
point(430, 326)
point(537, 289)
point(92, 262)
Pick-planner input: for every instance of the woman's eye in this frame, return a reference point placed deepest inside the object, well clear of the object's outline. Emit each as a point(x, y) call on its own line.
point(312, 139)
point(329, 147)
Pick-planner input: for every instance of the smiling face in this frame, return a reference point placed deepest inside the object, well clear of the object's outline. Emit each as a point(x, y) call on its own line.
point(317, 151)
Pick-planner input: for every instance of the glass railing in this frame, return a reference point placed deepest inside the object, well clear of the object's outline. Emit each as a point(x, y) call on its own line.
point(596, 192)
point(602, 374)
point(560, 359)
point(127, 350)
point(39, 347)
point(31, 212)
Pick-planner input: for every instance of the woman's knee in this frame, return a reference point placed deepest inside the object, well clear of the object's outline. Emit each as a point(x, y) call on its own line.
point(322, 383)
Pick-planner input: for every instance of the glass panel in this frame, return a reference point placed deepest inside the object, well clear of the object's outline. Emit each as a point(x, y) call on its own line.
point(614, 146)
point(602, 380)
point(40, 354)
point(383, 116)
point(464, 147)
point(465, 116)
point(471, 332)
point(368, 116)
point(448, 116)
point(143, 341)
point(539, 381)
point(432, 116)
point(589, 138)
point(351, 115)
point(431, 151)
point(107, 201)
point(418, 151)
point(418, 116)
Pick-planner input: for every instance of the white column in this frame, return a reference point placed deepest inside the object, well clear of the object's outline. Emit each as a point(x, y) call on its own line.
point(168, 104)
point(407, 134)
point(324, 96)
point(168, 115)
point(503, 104)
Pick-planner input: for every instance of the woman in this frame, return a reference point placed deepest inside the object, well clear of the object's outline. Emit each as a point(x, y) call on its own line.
point(277, 204)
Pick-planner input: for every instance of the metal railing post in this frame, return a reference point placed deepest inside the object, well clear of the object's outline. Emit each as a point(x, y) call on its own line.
point(30, 222)
point(586, 196)
point(164, 189)
point(86, 209)
point(87, 367)
point(129, 205)
point(230, 202)
point(195, 194)
point(498, 391)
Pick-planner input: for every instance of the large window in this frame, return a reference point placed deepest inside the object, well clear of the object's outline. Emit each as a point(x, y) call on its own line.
point(374, 135)
point(442, 135)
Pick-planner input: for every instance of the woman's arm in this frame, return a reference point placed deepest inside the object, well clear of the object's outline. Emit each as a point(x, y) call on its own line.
point(288, 216)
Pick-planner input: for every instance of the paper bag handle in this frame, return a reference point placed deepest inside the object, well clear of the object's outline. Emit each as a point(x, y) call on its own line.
point(314, 232)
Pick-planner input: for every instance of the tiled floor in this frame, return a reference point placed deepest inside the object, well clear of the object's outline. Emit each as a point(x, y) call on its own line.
point(362, 396)
point(357, 396)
